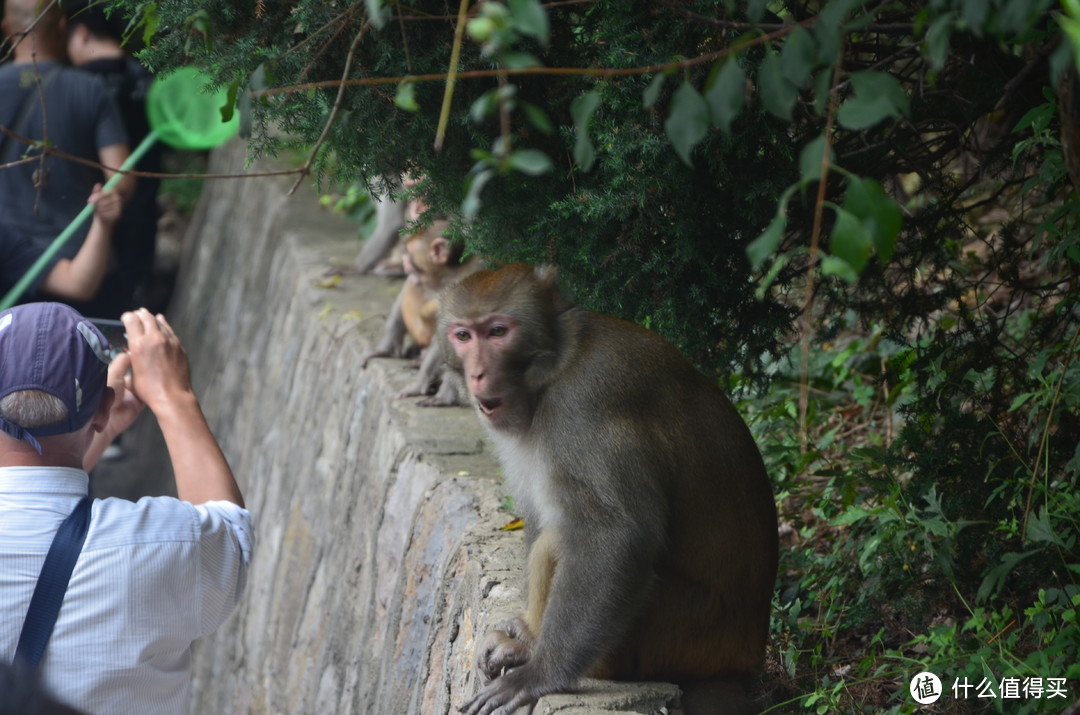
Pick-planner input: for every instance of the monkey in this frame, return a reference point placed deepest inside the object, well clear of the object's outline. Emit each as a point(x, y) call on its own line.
point(391, 214)
point(431, 262)
point(651, 527)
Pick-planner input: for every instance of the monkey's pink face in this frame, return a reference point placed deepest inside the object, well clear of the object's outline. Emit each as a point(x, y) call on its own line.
point(486, 347)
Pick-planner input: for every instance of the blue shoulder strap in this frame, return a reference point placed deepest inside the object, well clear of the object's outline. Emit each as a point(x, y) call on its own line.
point(51, 585)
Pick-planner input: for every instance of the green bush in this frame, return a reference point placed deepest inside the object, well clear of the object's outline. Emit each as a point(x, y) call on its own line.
point(857, 215)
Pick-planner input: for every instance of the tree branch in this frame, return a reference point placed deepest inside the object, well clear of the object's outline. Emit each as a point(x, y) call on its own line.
point(334, 111)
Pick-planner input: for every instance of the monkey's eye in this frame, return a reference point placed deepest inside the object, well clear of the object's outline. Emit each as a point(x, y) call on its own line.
point(461, 336)
point(497, 331)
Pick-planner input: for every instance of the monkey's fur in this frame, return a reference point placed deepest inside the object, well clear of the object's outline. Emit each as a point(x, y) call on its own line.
point(649, 518)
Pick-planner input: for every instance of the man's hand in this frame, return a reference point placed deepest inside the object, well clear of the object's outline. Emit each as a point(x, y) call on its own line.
point(159, 365)
point(126, 405)
point(108, 205)
point(125, 408)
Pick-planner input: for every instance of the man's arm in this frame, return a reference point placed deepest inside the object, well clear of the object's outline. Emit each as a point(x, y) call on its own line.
point(80, 277)
point(113, 156)
point(160, 378)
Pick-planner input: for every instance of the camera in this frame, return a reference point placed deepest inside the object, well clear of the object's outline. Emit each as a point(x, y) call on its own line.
point(113, 330)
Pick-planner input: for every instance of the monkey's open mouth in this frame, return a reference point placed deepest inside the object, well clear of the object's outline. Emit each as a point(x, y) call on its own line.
point(489, 405)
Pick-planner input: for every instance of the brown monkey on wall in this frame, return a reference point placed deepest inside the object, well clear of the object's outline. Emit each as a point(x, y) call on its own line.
point(650, 521)
point(431, 261)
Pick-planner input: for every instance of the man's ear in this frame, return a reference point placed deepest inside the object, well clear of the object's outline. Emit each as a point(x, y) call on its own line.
point(101, 416)
point(440, 250)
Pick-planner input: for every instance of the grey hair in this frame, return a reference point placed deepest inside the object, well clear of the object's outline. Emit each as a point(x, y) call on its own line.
point(33, 408)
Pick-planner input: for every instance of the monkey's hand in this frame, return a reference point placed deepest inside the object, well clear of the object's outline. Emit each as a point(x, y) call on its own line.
point(450, 394)
point(507, 646)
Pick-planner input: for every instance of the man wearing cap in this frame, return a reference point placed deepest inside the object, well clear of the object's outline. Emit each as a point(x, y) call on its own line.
point(152, 576)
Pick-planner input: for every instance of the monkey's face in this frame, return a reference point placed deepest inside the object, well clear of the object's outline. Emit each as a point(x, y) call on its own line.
point(498, 329)
point(487, 349)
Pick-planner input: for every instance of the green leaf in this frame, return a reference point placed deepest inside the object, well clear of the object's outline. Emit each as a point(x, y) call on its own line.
point(877, 96)
point(850, 241)
point(755, 9)
point(1041, 528)
point(726, 95)
point(484, 106)
point(880, 215)
point(995, 577)
point(833, 266)
point(770, 276)
point(474, 185)
point(484, 156)
point(652, 92)
point(537, 117)
point(520, 60)
point(827, 35)
point(975, 13)
point(798, 56)
point(530, 161)
point(810, 159)
point(406, 96)
point(822, 90)
point(375, 12)
point(766, 244)
point(529, 18)
point(245, 104)
point(853, 514)
point(688, 121)
point(937, 40)
point(150, 22)
point(229, 107)
point(835, 11)
point(777, 93)
point(581, 109)
point(584, 152)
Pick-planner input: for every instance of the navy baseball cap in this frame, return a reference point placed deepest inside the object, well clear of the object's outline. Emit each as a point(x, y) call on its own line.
point(52, 348)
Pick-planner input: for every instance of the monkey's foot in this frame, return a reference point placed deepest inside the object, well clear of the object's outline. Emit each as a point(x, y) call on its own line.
point(436, 401)
point(378, 352)
point(505, 695)
point(332, 271)
point(416, 389)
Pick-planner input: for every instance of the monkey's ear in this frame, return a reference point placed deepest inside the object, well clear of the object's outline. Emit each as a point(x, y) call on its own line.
point(547, 278)
point(440, 250)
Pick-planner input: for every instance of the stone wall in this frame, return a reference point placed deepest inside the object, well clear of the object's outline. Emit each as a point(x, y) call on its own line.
point(379, 559)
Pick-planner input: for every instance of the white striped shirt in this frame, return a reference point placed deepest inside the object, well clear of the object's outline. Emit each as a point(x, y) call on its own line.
point(153, 576)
